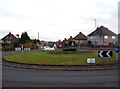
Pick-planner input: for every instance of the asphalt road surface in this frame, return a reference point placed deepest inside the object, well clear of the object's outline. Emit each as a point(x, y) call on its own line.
point(13, 77)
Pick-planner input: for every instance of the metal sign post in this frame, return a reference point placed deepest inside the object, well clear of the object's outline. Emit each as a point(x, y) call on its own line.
point(116, 57)
point(22, 48)
point(117, 50)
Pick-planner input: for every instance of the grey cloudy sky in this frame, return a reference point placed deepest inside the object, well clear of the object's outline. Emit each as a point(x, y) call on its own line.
point(56, 19)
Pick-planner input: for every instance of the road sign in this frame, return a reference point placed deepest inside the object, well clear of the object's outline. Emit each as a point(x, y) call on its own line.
point(105, 53)
point(91, 60)
point(117, 49)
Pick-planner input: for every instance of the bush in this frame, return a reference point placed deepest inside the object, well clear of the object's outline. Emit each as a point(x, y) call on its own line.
point(70, 49)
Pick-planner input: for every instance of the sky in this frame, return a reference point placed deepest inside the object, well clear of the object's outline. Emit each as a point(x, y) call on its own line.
point(56, 19)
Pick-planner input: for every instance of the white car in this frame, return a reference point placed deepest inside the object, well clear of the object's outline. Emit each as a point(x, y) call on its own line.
point(47, 48)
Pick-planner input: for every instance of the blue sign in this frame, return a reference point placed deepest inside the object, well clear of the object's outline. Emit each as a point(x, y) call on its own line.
point(117, 49)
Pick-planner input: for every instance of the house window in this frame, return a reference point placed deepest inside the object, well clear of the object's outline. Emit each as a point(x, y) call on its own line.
point(100, 36)
point(106, 37)
point(113, 37)
point(91, 37)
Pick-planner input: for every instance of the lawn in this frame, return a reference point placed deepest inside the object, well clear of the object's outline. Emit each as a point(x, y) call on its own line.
point(59, 59)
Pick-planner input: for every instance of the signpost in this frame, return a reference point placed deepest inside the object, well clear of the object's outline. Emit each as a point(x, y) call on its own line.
point(22, 48)
point(117, 50)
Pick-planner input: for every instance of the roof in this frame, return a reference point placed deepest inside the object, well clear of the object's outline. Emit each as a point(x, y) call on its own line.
point(102, 31)
point(65, 40)
point(80, 36)
point(71, 38)
point(9, 37)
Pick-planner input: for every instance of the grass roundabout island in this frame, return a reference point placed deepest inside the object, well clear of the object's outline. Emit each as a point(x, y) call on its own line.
point(59, 59)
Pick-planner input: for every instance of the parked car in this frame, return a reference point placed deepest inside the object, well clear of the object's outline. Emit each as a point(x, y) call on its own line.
point(47, 48)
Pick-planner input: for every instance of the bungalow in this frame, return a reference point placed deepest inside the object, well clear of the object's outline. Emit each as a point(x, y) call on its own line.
point(103, 36)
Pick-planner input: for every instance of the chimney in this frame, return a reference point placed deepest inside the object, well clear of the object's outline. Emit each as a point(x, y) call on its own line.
point(9, 32)
point(80, 32)
point(70, 36)
point(65, 39)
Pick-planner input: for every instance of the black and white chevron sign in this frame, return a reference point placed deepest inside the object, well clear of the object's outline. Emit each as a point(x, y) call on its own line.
point(105, 53)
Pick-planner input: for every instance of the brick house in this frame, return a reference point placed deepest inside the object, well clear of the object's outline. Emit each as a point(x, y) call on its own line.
point(103, 36)
point(59, 44)
point(71, 42)
point(9, 38)
point(65, 43)
point(80, 39)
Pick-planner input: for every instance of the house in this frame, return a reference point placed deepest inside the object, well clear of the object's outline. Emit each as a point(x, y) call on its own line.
point(76, 41)
point(65, 43)
point(9, 38)
point(71, 42)
point(59, 44)
point(30, 45)
point(103, 36)
point(51, 44)
point(80, 39)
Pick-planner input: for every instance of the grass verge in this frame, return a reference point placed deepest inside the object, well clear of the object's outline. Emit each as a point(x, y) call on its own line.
point(59, 59)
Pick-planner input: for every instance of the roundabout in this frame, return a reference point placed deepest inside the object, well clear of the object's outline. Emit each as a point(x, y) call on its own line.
point(61, 62)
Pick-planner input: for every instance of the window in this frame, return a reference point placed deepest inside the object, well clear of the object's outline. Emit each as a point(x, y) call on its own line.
point(91, 37)
point(106, 37)
point(100, 36)
point(113, 37)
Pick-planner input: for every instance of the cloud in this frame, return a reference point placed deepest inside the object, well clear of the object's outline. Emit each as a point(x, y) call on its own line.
point(57, 19)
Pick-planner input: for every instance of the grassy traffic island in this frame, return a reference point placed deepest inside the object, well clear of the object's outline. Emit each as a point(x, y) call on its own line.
point(59, 59)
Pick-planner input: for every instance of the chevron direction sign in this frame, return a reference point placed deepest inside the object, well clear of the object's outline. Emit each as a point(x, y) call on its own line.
point(105, 53)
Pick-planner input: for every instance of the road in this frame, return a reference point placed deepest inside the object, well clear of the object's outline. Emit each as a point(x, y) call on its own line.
point(15, 77)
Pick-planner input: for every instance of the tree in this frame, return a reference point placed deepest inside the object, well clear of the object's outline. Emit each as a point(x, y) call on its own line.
point(24, 38)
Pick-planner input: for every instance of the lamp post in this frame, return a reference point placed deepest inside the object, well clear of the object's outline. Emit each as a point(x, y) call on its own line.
point(95, 23)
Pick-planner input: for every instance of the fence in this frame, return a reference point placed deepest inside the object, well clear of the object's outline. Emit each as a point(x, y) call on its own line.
point(20, 49)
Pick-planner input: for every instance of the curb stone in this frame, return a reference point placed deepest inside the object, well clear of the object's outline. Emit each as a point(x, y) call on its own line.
point(57, 68)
